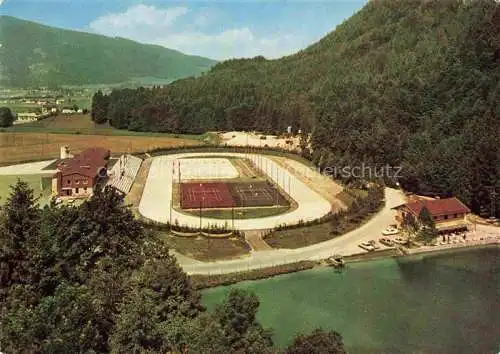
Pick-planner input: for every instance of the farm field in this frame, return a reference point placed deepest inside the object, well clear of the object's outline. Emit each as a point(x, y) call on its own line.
point(22, 147)
point(23, 107)
point(82, 124)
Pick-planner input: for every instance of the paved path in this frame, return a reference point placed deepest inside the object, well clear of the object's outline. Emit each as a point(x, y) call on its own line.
point(344, 245)
point(32, 168)
point(254, 239)
point(157, 195)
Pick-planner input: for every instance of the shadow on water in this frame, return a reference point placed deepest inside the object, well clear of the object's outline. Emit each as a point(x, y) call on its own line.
point(485, 260)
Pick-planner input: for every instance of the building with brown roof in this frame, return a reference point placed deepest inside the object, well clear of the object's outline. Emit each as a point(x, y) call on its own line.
point(77, 176)
point(449, 214)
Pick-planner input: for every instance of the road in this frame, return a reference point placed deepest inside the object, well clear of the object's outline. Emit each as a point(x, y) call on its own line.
point(344, 245)
point(31, 168)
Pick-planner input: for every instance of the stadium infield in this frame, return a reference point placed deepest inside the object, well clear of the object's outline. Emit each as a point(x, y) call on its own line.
point(256, 194)
point(205, 195)
point(226, 195)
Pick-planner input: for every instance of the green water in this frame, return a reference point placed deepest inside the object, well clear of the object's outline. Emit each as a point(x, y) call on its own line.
point(444, 303)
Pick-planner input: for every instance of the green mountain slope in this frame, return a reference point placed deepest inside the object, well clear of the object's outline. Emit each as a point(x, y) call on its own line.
point(408, 83)
point(35, 55)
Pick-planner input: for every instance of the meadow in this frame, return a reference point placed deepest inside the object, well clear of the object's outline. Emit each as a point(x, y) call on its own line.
point(43, 139)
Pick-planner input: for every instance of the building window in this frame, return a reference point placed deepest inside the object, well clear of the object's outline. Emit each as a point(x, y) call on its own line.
point(77, 190)
point(435, 217)
point(446, 217)
point(69, 181)
point(85, 189)
point(85, 181)
point(77, 181)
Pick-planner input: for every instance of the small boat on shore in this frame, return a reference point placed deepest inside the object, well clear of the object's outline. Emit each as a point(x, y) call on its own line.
point(336, 261)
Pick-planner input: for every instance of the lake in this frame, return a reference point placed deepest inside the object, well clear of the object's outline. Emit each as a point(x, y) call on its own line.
point(441, 303)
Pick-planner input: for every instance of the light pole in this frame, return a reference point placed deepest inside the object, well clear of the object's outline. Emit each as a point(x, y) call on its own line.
point(232, 217)
point(200, 215)
point(201, 202)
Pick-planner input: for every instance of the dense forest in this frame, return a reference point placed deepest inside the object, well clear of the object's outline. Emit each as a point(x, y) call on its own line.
point(402, 82)
point(34, 55)
point(91, 279)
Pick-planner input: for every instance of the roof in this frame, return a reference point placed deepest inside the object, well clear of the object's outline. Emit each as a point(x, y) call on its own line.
point(437, 206)
point(452, 225)
point(87, 163)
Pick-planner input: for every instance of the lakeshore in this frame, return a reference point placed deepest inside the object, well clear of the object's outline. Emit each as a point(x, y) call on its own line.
point(389, 305)
point(214, 280)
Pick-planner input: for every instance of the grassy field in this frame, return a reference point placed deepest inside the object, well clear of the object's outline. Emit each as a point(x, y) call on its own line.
point(310, 235)
point(347, 196)
point(23, 107)
point(205, 249)
point(300, 237)
point(22, 147)
point(35, 182)
point(248, 213)
point(82, 124)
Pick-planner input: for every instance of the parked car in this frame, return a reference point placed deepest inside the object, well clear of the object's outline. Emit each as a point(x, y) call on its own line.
point(386, 241)
point(399, 240)
point(366, 246)
point(374, 244)
point(391, 230)
point(492, 220)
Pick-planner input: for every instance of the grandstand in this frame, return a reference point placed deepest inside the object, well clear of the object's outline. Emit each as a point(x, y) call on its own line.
point(123, 173)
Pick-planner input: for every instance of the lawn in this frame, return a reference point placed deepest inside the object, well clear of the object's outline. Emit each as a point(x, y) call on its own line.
point(248, 213)
point(310, 235)
point(23, 147)
point(207, 249)
point(300, 237)
point(35, 182)
point(348, 196)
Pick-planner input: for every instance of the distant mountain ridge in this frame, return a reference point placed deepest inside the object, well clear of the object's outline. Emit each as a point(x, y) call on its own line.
point(37, 55)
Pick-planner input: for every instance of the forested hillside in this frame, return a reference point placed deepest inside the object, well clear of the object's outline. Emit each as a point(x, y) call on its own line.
point(402, 82)
point(91, 279)
point(35, 55)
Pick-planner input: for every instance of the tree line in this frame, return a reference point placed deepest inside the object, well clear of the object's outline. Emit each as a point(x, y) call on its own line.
point(92, 279)
point(407, 83)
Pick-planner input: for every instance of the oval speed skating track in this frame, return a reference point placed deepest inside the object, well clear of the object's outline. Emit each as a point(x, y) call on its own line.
point(157, 195)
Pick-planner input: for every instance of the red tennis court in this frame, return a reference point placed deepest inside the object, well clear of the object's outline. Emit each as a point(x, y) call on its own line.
point(206, 195)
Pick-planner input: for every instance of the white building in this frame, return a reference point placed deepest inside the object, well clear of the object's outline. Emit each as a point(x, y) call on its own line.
point(26, 117)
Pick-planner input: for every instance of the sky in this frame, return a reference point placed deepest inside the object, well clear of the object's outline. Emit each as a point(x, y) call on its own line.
point(210, 28)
